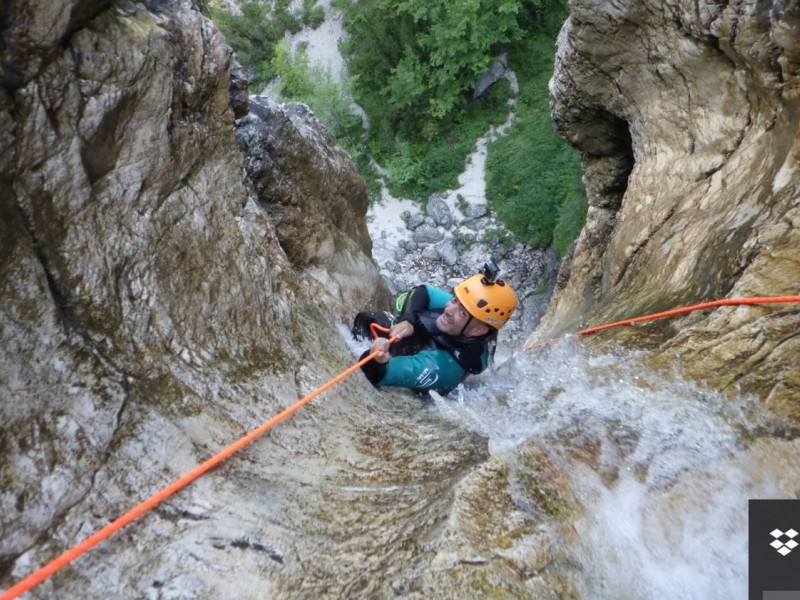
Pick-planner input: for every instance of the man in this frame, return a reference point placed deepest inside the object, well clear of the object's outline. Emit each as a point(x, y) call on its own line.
point(441, 337)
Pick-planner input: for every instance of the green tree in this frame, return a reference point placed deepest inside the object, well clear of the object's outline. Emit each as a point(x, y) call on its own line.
point(296, 79)
point(533, 176)
point(407, 82)
point(330, 101)
point(456, 42)
point(254, 32)
point(424, 56)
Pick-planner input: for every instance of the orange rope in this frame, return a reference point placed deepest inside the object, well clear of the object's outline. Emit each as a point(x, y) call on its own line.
point(375, 328)
point(678, 311)
point(74, 552)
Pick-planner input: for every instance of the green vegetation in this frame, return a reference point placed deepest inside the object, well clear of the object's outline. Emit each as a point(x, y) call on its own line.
point(420, 167)
point(462, 204)
point(413, 65)
point(533, 177)
point(415, 59)
point(314, 86)
point(254, 33)
point(497, 236)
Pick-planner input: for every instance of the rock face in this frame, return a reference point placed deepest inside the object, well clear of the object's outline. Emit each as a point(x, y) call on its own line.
point(314, 195)
point(687, 118)
point(149, 313)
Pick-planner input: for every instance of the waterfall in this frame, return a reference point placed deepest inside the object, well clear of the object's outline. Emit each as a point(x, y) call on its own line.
point(660, 466)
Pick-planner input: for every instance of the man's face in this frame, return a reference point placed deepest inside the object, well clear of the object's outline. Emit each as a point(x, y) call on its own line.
point(453, 319)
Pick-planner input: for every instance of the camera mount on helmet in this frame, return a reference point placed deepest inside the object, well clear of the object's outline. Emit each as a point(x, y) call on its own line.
point(490, 272)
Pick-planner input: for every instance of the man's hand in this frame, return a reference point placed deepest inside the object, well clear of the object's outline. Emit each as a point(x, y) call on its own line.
point(401, 330)
point(381, 345)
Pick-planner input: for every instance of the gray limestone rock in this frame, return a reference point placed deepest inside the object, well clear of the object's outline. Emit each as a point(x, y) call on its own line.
point(495, 72)
point(168, 286)
point(415, 221)
point(447, 251)
point(428, 234)
point(439, 211)
point(312, 190)
point(476, 211)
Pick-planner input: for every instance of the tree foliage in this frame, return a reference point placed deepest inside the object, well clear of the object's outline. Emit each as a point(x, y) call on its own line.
point(254, 32)
point(422, 58)
point(314, 86)
point(456, 42)
point(533, 177)
point(413, 65)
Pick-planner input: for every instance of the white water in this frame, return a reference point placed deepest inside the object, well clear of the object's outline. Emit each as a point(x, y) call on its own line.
point(672, 521)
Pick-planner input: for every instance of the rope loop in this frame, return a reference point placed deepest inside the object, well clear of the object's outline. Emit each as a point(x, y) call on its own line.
point(375, 328)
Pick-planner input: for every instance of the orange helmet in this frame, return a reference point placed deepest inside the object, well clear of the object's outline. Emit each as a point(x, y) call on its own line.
point(491, 302)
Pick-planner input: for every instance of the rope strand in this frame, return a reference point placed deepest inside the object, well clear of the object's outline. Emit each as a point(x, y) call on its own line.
point(74, 552)
point(678, 311)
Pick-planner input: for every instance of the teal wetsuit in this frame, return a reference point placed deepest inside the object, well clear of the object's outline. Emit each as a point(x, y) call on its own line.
point(428, 359)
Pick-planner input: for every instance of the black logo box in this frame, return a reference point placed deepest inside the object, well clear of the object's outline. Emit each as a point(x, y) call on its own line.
point(774, 525)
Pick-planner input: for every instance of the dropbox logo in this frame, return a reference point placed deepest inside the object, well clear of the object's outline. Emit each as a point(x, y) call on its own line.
point(774, 549)
point(784, 547)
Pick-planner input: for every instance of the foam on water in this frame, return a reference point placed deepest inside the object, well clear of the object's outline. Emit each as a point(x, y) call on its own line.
point(672, 523)
point(356, 347)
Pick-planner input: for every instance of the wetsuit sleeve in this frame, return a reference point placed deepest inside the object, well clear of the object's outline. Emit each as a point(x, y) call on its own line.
point(426, 370)
point(373, 370)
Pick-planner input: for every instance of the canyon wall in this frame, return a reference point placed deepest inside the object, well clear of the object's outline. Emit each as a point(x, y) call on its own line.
point(687, 116)
point(175, 265)
point(155, 303)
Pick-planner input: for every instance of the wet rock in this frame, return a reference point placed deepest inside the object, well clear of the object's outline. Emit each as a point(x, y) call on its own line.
point(157, 305)
point(239, 96)
point(150, 314)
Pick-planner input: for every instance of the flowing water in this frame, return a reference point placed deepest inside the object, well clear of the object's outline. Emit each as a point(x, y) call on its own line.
point(659, 466)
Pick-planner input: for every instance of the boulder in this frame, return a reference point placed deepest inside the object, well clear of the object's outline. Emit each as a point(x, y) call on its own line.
point(439, 211)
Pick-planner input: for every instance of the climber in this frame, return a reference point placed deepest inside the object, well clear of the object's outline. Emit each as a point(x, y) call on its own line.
point(441, 337)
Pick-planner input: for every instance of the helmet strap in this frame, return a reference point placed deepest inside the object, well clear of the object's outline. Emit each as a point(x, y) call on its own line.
point(463, 329)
